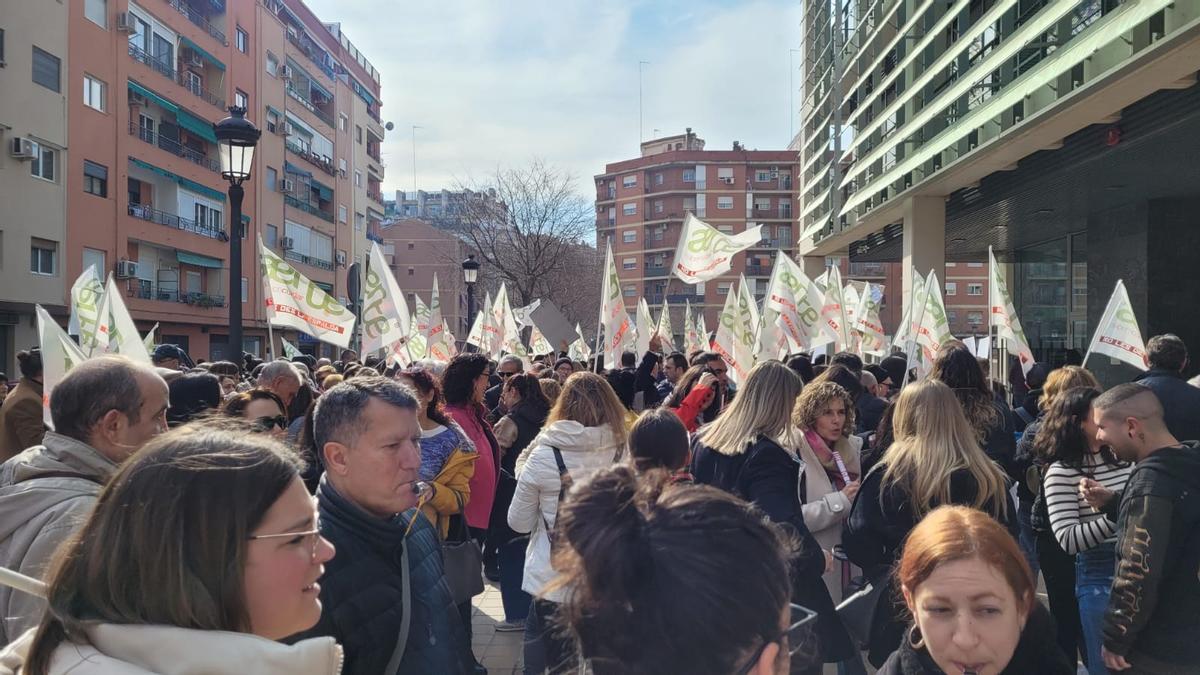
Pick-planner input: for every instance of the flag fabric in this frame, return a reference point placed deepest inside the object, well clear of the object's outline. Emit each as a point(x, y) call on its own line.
point(506, 324)
point(579, 350)
point(1118, 335)
point(646, 327)
point(524, 315)
point(1004, 316)
point(770, 342)
point(702, 329)
point(906, 329)
point(385, 317)
point(450, 342)
point(867, 322)
point(933, 329)
point(665, 331)
point(834, 324)
point(435, 336)
point(148, 341)
point(614, 317)
point(87, 299)
point(59, 354)
point(747, 303)
point(852, 297)
point(538, 344)
point(294, 301)
point(704, 253)
point(796, 300)
point(735, 337)
point(477, 336)
point(691, 334)
point(417, 344)
point(117, 333)
point(290, 351)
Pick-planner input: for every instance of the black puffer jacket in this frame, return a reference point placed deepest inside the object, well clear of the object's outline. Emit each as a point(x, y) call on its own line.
point(1037, 653)
point(1180, 402)
point(361, 592)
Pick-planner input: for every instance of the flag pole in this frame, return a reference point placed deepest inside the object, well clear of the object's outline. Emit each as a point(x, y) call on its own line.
point(599, 353)
point(270, 329)
point(914, 341)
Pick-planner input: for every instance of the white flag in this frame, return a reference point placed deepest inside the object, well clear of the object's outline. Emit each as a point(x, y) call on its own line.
point(59, 354)
point(385, 317)
point(866, 319)
point(579, 350)
point(906, 330)
point(691, 334)
point(934, 328)
point(703, 331)
point(771, 341)
point(735, 338)
point(665, 332)
point(1117, 335)
point(290, 351)
point(294, 301)
point(746, 301)
point(148, 341)
point(645, 327)
point(117, 333)
point(450, 342)
point(1004, 316)
point(834, 324)
point(435, 336)
point(796, 300)
point(852, 297)
point(614, 317)
point(87, 299)
point(506, 324)
point(538, 344)
point(477, 335)
point(704, 253)
point(417, 343)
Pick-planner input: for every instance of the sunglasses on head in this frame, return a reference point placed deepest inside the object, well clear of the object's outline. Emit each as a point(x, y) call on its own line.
point(265, 423)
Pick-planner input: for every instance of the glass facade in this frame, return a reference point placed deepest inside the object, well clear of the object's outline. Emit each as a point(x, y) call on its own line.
point(1051, 297)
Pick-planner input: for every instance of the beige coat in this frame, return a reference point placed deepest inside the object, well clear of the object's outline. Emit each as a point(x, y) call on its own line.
point(824, 507)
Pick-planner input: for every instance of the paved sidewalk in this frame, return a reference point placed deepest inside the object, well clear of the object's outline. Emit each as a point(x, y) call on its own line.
point(499, 652)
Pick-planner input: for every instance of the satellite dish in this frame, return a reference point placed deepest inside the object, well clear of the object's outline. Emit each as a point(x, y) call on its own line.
point(389, 126)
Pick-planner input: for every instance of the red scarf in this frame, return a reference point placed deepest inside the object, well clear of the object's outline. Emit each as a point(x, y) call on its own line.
point(831, 460)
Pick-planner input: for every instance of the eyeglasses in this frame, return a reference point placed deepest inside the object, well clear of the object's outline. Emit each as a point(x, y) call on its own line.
point(265, 423)
point(501, 373)
point(798, 632)
point(313, 536)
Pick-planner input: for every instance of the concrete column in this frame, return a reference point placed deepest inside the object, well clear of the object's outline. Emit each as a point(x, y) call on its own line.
point(924, 239)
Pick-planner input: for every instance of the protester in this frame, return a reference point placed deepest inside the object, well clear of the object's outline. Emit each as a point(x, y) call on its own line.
point(3, 385)
point(585, 431)
point(958, 369)
point(740, 453)
point(103, 410)
point(624, 379)
point(674, 365)
point(659, 441)
point(563, 368)
point(300, 406)
point(1153, 620)
point(191, 395)
point(695, 398)
point(282, 378)
point(824, 417)
point(1028, 404)
point(331, 381)
point(463, 386)
point(1168, 357)
point(388, 573)
point(551, 390)
point(232, 595)
point(21, 424)
point(972, 601)
point(528, 408)
point(1067, 442)
point(348, 356)
point(684, 609)
point(896, 366)
point(509, 365)
point(261, 408)
point(171, 357)
point(935, 459)
point(801, 364)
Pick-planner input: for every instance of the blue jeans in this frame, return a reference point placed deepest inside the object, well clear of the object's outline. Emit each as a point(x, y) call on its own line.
point(1093, 582)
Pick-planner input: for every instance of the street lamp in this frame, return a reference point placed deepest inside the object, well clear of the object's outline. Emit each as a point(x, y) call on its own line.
point(236, 138)
point(470, 268)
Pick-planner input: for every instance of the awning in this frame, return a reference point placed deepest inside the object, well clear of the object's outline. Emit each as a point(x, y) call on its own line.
point(199, 260)
point(288, 167)
point(326, 191)
point(316, 85)
point(245, 219)
point(275, 110)
point(362, 92)
point(196, 125)
point(159, 100)
point(183, 182)
point(203, 54)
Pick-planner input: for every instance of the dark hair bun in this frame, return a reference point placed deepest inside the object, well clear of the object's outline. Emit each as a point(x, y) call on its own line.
point(30, 362)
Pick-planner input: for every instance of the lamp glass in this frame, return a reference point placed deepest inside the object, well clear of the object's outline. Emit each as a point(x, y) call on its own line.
point(236, 159)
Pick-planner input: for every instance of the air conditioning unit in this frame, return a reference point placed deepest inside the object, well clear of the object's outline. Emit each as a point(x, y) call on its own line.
point(728, 180)
point(22, 148)
point(287, 243)
point(126, 23)
point(127, 269)
point(285, 71)
point(288, 129)
point(138, 99)
point(193, 59)
point(340, 258)
point(774, 174)
point(287, 185)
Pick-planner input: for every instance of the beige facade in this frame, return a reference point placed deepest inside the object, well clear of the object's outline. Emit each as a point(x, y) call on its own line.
point(415, 251)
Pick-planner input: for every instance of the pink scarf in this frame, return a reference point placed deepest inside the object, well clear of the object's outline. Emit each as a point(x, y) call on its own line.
point(831, 460)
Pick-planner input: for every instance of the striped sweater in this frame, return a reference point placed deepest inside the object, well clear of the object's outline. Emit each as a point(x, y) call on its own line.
point(1076, 526)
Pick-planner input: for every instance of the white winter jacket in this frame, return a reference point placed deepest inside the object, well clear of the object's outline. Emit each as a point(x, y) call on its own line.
point(535, 503)
point(120, 649)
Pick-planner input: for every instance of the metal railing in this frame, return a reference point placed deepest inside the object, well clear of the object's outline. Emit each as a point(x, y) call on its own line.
point(320, 161)
point(174, 147)
point(757, 270)
point(307, 208)
point(198, 89)
point(308, 260)
point(312, 108)
point(148, 290)
point(656, 270)
point(310, 50)
point(199, 19)
point(683, 297)
point(163, 67)
point(153, 215)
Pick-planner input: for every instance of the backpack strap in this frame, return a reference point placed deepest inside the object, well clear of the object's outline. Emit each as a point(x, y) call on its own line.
point(63, 474)
point(565, 482)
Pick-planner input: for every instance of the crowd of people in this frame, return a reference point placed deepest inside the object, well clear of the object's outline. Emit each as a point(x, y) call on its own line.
point(318, 516)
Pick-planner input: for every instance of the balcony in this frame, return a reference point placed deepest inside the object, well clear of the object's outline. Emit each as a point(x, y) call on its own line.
point(657, 271)
point(148, 290)
point(189, 80)
point(319, 57)
point(294, 202)
point(312, 108)
point(308, 260)
point(175, 148)
point(171, 220)
point(199, 19)
point(320, 161)
point(194, 84)
point(163, 67)
point(683, 297)
point(758, 270)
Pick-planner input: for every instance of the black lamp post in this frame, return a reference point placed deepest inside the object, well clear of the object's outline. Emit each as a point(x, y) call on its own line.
point(470, 268)
point(236, 138)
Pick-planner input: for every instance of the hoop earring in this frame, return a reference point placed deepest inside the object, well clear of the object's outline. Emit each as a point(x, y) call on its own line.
point(919, 643)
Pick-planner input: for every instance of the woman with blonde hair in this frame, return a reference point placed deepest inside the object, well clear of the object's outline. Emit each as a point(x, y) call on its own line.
point(585, 431)
point(935, 459)
point(741, 452)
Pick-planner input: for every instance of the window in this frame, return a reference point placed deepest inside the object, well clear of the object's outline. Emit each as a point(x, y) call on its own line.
point(343, 122)
point(243, 40)
point(629, 181)
point(241, 99)
point(94, 93)
point(629, 236)
point(272, 65)
point(342, 166)
point(360, 221)
point(725, 229)
point(1, 46)
point(245, 289)
point(96, 11)
point(723, 287)
point(974, 289)
point(724, 202)
point(658, 206)
point(762, 176)
point(272, 176)
point(412, 271)
point(208, 216)
point(272, 121)
point(762, 204)
point(658, 179)
point(951, 264)
point(974, 264)
point(272, 236)
point(629, 209)
point(341, 213)
point(357, 179)
point(689, 175)
point(629, 291)
point(725, 173)
point(43, 256)
point(42, 165)
point(95, 179)
point(94, 258)
point(951, 288)
point(411, 246)
point(629, 263)
point(951, 316)
point(358, 133)
point(46, 68)
point(975, 318)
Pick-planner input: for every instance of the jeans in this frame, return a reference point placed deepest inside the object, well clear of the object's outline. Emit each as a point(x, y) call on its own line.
point(1093, 580)
point(546, 650)
point(1028, 539)
point(512, 574)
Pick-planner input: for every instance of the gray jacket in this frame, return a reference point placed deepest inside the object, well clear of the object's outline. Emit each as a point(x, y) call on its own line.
point(39, 508)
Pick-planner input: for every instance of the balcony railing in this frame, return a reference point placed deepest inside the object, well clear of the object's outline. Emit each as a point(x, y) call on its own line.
point(303, 100)
point(199, 19)
point(308, 260)
point(175, 147)
point(657, 271)
point(162, 66)
point(320, 161)
point(198, 89)
point(148, 290)
point(757, 270)
point(307, 208)
point(311, 51)
point(376, 196)
point(171, 220)
point(683, 297)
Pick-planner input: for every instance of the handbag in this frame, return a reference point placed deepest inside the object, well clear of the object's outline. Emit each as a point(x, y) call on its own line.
point(462, 560)
point(857, 611)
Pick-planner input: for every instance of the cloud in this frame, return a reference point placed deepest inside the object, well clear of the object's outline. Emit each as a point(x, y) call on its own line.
point(497, 83)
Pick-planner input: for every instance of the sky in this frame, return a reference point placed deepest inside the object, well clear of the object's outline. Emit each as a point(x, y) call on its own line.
point(497, 83)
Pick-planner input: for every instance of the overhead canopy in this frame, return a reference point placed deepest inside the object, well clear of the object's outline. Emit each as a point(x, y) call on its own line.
point(199, 260)
point(158, 100)
point(325, 190)
point(196, 125)
point(288, 167)
point(203, 54)
point(183, 182)
point(362, 92)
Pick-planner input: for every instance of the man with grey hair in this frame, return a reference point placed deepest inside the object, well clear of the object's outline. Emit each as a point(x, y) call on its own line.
point(103, 411)
point(1152, 624)
point(1168, 357)
point(509, 365)
point(282, 378)
point(384, 596)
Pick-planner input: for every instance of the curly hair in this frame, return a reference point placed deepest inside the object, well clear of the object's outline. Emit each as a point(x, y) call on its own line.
point(958, 369)
point(458, 382)
point(811, 402)
point(424, 381)
point(1061, 437)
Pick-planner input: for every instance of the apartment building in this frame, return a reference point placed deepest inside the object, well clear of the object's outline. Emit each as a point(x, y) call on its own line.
point(1060, 134)
point(443, 208)
point(117, 164)
point(415, 250)
point(641, 203)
